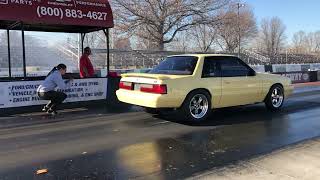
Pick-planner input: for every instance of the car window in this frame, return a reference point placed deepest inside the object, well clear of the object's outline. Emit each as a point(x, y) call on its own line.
point(233, 67)
point(211, 68)
point(178, 65)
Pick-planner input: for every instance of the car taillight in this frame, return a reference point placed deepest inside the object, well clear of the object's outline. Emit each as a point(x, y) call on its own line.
point(125, 85)
point(155, 88)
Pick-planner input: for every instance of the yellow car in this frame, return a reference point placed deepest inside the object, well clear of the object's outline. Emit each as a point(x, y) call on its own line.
point(195, 84)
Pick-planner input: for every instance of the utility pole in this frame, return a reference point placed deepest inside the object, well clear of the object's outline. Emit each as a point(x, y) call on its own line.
point(286, 55)
point(239, 5)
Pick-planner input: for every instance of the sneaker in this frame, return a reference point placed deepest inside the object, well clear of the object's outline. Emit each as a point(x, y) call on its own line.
point(45, 109)
point(52, 112)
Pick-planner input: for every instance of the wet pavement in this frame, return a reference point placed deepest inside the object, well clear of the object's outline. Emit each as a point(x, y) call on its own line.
point(97, 144)
point(297, 162)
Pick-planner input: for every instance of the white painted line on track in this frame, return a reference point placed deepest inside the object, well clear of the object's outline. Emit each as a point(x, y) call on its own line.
point(162, 122)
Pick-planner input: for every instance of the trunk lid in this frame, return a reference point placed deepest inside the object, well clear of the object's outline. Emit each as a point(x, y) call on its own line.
point(153, 76)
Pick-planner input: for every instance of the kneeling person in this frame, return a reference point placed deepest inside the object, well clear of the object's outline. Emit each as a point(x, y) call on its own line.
point(46, 91)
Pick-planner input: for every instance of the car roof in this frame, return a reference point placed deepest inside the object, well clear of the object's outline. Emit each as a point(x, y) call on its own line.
point(205, 55)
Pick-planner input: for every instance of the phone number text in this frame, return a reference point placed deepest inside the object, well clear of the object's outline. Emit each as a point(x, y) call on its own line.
point(70, 13)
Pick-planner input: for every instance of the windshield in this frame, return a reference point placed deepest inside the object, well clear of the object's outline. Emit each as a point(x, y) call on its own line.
point(179, 65)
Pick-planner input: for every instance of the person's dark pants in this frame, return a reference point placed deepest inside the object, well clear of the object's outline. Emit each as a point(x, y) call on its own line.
point(55, 98)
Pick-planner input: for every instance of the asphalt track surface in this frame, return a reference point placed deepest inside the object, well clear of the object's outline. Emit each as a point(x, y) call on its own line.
point(117, 143)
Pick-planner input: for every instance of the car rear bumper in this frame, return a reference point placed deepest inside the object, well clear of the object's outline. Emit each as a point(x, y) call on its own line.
point(147, 99)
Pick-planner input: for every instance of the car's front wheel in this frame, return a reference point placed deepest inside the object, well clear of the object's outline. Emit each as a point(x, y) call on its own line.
point(197, 106)
point(275, 98)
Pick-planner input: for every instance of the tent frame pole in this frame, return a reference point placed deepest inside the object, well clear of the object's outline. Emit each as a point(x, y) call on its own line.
point(9, 53)
point(23, 52)
point(107, 33)
point(10, 27)
point(83, 35)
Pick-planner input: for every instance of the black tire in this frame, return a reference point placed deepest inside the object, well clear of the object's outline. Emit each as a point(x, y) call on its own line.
point(271, 103)
point(187, 114)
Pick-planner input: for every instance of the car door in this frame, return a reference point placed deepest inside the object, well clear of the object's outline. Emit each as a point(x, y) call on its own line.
point(211, 79)
point(240, 86)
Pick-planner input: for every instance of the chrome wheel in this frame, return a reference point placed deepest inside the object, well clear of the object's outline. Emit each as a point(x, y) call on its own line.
point(277, 97)
point(199, 106)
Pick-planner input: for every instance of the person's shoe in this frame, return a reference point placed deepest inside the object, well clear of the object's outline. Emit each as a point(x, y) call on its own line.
point(45, 109)
point(52, 112)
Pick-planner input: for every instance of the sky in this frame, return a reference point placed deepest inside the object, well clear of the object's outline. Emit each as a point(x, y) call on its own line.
point(296, 14)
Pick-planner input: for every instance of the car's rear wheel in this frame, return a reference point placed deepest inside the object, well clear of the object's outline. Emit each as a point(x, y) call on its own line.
point(275, 98)
point(197, 106)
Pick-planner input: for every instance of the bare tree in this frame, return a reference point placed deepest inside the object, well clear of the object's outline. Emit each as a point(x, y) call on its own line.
point(3, 38)
point(181, 43)
point(122, 43)
point(300, 41)
point(16, 39)
point(159, 21)
point(306, 43)
point(119, 41)
point(316, 36)
point(272, 36)
point(232, 26)
point(204, 36)
point(142, 43)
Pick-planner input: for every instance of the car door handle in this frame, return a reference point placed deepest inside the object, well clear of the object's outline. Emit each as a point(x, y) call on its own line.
point(227, 82)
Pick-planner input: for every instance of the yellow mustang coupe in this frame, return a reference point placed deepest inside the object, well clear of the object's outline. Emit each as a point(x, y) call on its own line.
point(195, 84)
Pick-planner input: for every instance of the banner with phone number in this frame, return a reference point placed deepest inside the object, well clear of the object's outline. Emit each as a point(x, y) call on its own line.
point(24, 93)
point(58, 12)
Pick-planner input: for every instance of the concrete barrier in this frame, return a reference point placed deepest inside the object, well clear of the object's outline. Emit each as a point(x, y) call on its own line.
point(313, 76)
point(279, 68)
point(301, 76)
point(293, 67)
point(259, 68)
point(297, 77)
point(315, 67)
point(305, 67)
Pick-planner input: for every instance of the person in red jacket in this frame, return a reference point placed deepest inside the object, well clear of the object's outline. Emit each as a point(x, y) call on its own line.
point(86, 68)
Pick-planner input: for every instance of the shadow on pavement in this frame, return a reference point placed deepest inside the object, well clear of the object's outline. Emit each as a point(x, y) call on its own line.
point(26, 116)
point(242, 114)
